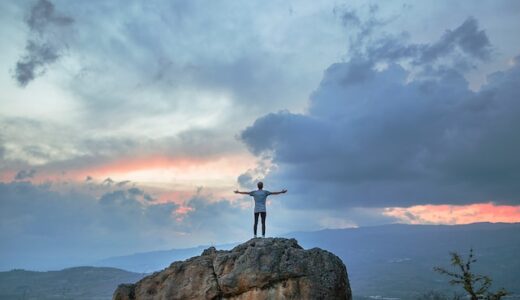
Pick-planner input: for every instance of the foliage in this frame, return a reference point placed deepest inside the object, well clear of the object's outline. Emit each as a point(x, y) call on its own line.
point(477, 286)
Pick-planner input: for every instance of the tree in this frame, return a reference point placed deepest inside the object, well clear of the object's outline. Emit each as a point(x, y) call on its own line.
point(477, 286)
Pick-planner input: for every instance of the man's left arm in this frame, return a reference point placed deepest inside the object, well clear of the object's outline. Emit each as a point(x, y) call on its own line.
point(280, 192)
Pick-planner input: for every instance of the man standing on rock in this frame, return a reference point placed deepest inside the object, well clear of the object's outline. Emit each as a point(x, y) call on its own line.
point(260, 196)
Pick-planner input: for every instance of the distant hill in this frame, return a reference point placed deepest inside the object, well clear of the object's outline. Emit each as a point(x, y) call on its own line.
point(74, 283)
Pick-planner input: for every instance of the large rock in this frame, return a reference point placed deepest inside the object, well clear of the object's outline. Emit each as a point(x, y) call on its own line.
point(271, 268)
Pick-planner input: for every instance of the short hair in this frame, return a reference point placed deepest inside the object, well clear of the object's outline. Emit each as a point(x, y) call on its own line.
point(260, 185)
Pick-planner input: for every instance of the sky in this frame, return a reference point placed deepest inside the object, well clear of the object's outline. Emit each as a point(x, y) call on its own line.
point(125, 126)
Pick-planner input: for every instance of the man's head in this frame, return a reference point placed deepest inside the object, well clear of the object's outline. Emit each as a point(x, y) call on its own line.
point(260, 185)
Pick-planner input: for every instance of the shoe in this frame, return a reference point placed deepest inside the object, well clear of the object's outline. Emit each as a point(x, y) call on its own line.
point(254, 236)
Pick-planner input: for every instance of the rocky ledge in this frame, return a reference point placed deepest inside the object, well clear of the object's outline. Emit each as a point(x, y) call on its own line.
point(270, 268)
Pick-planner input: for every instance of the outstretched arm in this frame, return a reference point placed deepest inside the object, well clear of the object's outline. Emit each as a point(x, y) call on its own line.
point(244, 193)
point(280, 192)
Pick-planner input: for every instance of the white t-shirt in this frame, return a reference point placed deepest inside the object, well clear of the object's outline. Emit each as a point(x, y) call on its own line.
point(260, 197)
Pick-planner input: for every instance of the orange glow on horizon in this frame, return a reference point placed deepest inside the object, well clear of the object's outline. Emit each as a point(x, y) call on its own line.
point(180, 165)
point(7, 175)
point(196, 171)
point(177, 197)
point(456, 214)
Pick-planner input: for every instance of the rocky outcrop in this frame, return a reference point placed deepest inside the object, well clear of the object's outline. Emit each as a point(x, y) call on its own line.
point(271, 268)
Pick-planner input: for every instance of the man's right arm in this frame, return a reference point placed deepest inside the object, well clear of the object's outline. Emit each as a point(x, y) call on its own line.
point(243, 193)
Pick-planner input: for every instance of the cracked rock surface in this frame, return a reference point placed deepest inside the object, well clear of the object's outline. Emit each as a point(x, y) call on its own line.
point(270, 268)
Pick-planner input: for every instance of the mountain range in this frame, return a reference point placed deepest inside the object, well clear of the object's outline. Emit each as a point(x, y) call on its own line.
point(383, 262)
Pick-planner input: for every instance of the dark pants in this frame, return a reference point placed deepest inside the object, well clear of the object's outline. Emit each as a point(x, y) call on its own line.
point(263, 215)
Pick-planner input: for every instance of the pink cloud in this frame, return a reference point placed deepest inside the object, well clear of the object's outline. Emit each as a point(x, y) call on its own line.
point(455, 214)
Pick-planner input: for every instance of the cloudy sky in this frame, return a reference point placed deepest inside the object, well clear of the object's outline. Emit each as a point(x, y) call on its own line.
point(126, 125)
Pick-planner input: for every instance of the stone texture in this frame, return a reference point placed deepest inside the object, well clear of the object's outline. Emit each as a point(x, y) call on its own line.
point(271, 268)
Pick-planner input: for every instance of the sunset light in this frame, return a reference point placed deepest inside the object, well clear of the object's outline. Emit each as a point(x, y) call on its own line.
point(456, 214)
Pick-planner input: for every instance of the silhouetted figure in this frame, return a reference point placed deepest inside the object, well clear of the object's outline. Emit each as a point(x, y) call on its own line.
point(260, 197)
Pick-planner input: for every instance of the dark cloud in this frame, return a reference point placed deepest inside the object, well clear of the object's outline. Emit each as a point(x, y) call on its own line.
point(122, 183)
point(135, 191)
point(468, 38)
point(383, 138)
point(43, 15)
point(108, 181)
point(45, 44)
point(246, 181)
point(119, 197)
point(25, 174)
point(138, 192)
point(350, 18)
point(461, 47)
point(250, 178)
point(33, 63)
point(360, 29)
